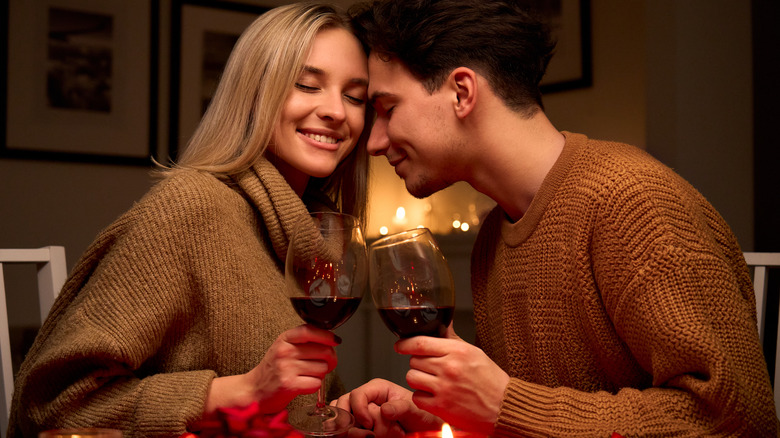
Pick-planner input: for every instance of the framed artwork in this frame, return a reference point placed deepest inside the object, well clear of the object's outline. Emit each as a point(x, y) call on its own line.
point(203, 34)
point(571, 65)
point(80, 81)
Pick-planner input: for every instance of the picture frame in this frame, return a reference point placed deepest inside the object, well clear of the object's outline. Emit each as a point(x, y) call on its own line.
point(571, 66)
point(80, 81)
point(203, 33)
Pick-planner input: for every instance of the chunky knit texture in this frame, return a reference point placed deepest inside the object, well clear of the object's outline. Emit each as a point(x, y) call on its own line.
point(184, 287)
point(620, 302)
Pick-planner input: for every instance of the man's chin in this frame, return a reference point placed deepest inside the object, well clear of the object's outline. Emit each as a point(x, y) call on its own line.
point(425, 188)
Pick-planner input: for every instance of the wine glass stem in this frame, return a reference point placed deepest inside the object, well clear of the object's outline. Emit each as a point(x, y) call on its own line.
point(321, 406)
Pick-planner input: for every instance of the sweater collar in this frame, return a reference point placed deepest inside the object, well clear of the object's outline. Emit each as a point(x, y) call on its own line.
point(277, 203)
point(515, 233)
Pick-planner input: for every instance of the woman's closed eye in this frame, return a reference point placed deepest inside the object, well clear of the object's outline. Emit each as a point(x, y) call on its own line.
point(306, 88)
point(313, 89)
point(355, 100)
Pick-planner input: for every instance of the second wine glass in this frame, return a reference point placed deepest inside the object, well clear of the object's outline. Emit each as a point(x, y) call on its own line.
point(326, 273)
point(411, 284)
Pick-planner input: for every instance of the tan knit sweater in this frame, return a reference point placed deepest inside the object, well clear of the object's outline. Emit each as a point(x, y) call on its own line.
point(620, 302)
point(184, 287)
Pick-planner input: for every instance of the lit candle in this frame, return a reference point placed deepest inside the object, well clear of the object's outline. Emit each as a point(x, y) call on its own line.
point(445, 432)
point(400, 216)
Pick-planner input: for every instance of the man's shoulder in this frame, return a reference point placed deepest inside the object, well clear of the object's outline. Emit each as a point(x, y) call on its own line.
point(617, 161)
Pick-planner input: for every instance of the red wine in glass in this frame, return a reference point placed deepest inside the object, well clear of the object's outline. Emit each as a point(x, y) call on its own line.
point(326, 313)
point(411, 284)
point(326, 273)
point(406, 322)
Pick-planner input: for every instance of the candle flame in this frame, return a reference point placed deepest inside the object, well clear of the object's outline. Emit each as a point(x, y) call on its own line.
point(446, 431)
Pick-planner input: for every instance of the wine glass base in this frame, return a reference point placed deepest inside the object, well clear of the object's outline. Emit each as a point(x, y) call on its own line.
point(327, 421)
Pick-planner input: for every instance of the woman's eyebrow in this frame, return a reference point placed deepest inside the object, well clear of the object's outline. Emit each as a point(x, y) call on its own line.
point(313, 70)
point(320, 72)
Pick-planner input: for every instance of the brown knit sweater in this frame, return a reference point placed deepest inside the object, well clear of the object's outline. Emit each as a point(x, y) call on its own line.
point(184, 287)
point(620, 302)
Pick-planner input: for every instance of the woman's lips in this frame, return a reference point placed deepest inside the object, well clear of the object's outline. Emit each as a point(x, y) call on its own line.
point(324, 141)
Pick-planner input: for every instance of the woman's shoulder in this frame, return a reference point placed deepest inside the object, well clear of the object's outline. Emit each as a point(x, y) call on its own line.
point(186, 198)
point(188, 189)
point(193, 183)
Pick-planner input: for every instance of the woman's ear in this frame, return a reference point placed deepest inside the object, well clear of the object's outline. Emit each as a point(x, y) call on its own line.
point(463, 82)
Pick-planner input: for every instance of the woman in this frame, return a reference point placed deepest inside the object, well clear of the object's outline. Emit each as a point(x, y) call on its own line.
point(177, 308)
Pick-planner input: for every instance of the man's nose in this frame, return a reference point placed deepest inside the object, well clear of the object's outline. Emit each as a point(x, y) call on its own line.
point(378, 142)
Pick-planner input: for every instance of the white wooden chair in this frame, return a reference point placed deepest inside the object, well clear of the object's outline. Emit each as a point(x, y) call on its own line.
point(760, 262)
point(52, 271)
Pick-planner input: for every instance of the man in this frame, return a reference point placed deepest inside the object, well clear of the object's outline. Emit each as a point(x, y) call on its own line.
point(609, 295)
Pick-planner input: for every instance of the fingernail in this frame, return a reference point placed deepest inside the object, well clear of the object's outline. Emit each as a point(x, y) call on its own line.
point(337, 338)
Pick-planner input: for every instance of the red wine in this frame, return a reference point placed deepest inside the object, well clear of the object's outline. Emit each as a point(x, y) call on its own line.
point(410, 321)
point(325, 312)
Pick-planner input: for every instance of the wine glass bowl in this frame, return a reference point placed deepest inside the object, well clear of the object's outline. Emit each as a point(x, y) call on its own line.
point(411, 284)
point(326, 274)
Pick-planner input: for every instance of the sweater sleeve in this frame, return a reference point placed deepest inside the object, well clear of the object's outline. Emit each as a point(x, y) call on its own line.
point(95, 362)
point(674, 285)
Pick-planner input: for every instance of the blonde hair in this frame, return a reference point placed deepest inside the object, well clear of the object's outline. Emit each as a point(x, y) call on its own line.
point(262, 68)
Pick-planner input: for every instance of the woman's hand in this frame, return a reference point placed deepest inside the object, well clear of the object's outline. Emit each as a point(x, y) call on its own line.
point(295, 364)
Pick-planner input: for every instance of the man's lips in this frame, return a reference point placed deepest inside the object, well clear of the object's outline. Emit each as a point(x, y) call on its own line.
point(395, 160)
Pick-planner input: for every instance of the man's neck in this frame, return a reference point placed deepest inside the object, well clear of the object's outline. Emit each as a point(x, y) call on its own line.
point(517, 154)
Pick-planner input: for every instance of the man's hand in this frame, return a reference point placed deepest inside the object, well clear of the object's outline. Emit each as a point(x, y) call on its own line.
point(455, 381)
point(386, 410)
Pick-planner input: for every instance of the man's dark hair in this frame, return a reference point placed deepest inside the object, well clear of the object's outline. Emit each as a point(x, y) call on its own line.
point(497, 38)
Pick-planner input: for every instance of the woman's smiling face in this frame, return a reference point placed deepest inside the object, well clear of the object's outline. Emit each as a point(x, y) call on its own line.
point(324, 114)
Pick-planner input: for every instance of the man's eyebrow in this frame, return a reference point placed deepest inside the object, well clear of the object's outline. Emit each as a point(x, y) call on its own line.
point(379, 95)
point(360, 81)
point(320, 72)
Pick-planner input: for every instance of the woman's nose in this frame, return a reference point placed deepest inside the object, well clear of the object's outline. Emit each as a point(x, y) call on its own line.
point(332, 108)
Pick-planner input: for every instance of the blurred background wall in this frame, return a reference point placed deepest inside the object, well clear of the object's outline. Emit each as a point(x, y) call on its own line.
point(690, 81)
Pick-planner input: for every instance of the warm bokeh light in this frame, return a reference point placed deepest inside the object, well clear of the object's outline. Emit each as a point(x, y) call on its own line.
point(436, 212)
point(464, 226)
point(383, 231)
point(456, 224)
point(446, 431)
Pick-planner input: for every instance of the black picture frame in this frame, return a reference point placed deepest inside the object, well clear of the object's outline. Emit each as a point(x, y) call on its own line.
point(195, 24)
point(572, 64)
point(44, 44)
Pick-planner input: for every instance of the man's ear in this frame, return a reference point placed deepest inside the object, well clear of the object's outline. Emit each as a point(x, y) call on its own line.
point(463, 81)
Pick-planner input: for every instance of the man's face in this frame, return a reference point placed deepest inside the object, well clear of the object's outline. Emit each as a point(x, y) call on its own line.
point(412, 128)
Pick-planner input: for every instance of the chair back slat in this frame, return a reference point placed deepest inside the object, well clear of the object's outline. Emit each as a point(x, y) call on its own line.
point(52, 272)
point(760, 262)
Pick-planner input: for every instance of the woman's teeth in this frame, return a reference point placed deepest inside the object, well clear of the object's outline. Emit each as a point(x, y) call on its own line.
point(322, 138)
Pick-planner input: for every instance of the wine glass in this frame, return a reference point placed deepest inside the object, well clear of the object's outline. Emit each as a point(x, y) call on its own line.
point(326, 272)
point(411, 284)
